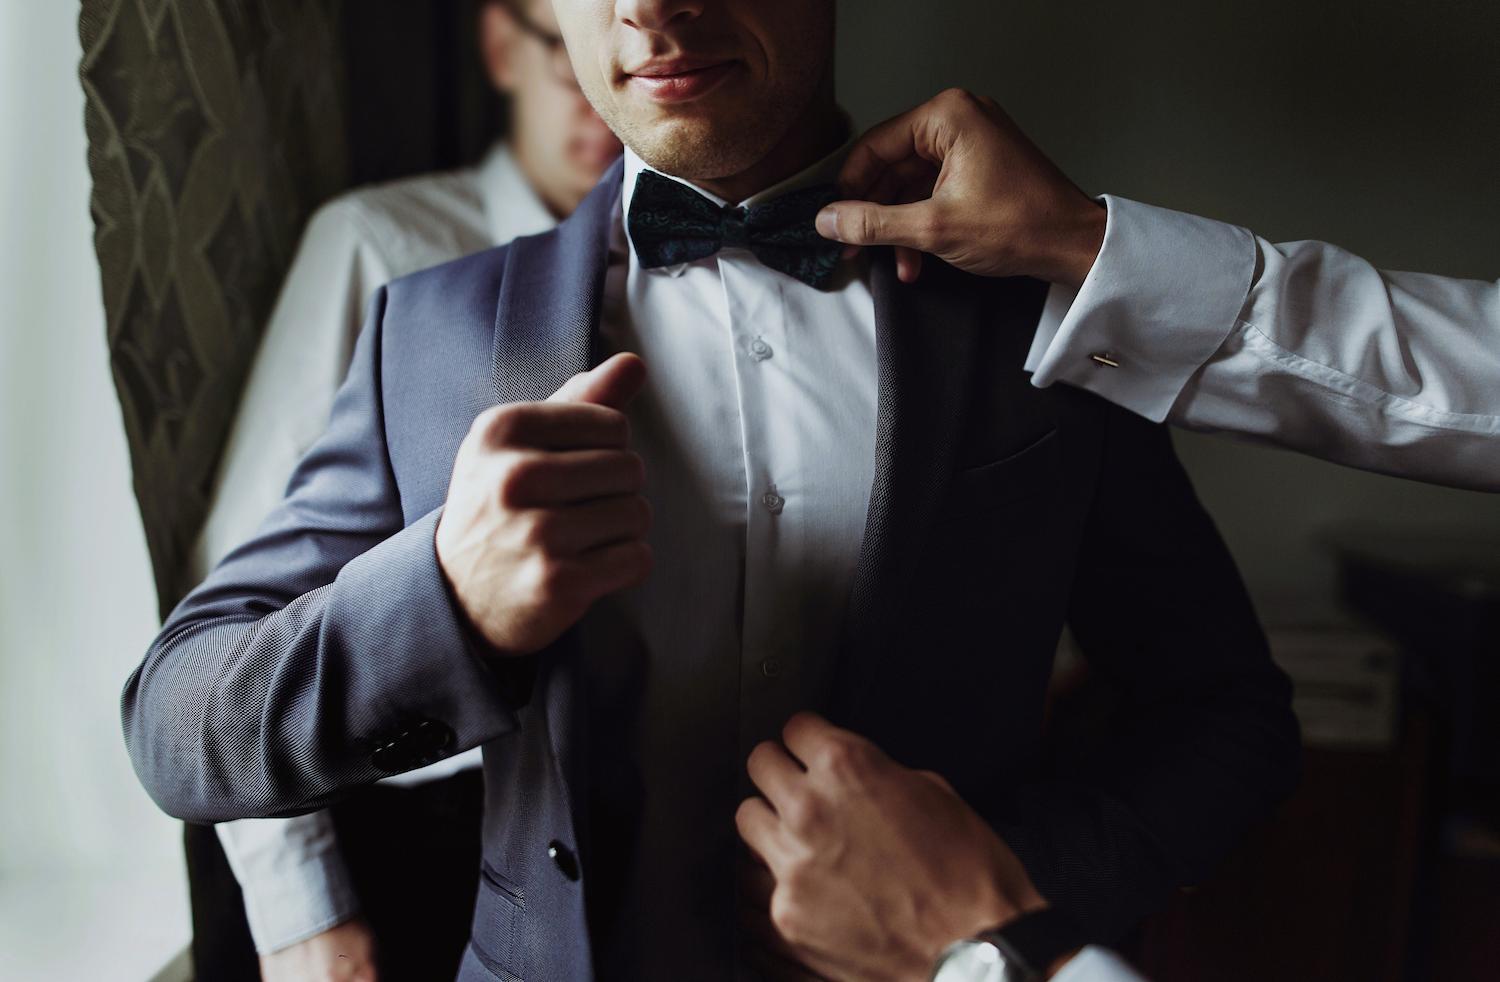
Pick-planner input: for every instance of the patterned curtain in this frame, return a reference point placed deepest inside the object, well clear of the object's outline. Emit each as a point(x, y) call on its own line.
point(215, 127)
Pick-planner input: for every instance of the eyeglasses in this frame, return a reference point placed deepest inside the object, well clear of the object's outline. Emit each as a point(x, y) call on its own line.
point(557, 50)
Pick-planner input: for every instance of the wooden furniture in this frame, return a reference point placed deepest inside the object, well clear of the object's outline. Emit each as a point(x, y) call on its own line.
point(1322, 892)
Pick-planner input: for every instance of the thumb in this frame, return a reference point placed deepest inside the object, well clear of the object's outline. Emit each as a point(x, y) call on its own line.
point(863, 223)
point(611, 383)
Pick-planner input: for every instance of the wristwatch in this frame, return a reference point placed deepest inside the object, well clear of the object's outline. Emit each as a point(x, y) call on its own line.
point(1021, 950)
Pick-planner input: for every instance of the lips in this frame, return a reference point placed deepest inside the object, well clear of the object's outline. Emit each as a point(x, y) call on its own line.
point(679, 79)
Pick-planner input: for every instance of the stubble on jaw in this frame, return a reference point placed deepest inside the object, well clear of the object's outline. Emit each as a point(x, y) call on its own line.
point(701, 149)
point(696, 150)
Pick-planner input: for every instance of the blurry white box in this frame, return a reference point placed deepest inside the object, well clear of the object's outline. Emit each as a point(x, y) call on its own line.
point(1345, 685)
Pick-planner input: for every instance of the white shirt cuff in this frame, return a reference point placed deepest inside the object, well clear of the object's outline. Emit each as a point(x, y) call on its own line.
point(292, 876)
point(1096, 965)
point(1161, 298)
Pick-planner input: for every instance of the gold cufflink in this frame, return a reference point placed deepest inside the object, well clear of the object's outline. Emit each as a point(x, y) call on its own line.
point(1105, 358)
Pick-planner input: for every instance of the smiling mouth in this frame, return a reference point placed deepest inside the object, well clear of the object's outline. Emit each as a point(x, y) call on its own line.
point(681, 80)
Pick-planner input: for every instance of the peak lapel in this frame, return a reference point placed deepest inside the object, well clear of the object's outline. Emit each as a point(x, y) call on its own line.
point(547, 318)
point(928, 343)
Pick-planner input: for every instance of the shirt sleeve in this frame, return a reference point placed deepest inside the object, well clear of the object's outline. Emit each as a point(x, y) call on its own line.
point(1094, 964)
point(291, 874)
point(290, 871)
point(302, 358)
point(1301, 345)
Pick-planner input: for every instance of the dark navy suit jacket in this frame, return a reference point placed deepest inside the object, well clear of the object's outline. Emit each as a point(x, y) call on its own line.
point(327, 652)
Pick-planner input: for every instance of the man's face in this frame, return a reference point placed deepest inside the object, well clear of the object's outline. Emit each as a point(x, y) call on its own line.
point(553, 125)
point(702, 89)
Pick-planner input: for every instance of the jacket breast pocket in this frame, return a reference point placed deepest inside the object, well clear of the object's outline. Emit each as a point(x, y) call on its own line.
point(1027, 473)
point(498, 935)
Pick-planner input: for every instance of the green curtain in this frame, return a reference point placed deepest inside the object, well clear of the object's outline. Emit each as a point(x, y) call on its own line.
point(215, 128)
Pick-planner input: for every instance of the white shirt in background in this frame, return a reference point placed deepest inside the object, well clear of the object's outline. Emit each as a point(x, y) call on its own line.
point(294, 882)
point(1299, 344)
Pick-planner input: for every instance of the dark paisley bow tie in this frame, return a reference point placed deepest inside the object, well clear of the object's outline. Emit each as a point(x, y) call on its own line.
point(671, 223)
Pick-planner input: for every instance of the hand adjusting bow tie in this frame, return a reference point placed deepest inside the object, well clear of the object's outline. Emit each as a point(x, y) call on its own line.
point(670, 223)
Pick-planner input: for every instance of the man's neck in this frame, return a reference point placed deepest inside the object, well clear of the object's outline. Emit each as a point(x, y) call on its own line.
point(818, 133)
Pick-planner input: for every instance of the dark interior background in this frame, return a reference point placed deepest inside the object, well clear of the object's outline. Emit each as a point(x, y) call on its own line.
point(418, 97)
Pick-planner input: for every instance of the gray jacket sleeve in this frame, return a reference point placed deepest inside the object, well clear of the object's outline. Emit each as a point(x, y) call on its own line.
point(325, 652)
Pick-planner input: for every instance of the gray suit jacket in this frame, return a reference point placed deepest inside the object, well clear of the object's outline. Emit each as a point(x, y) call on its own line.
point(327, 652)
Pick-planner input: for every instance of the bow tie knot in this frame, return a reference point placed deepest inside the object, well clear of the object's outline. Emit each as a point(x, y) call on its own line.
point(733, 231)
point(671, 223)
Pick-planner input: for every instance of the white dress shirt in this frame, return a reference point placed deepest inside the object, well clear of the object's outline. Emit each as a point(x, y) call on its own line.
point(1299, 344)
point(757, 427)
point(1094, 964)
point(294, 882)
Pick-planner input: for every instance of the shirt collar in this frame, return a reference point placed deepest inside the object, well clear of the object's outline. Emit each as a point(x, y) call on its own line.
point(823, 171)
point(511, 207)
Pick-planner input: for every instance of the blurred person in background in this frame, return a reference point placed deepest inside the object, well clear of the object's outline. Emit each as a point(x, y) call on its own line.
point(381, 886)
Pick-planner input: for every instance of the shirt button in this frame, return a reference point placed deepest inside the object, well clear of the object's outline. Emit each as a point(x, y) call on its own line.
point(760, 349)
point(1106, 358)
point(773, 501)
point(771, 667)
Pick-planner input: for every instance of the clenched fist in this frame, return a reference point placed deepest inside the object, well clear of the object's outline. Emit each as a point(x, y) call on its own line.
point(544, 513)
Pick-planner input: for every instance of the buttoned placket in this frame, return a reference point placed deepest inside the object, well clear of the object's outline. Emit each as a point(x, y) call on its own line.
point(758, 433)
point(756, 320)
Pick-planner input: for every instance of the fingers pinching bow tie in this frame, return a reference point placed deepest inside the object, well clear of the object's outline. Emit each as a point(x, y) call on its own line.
point(670, 223)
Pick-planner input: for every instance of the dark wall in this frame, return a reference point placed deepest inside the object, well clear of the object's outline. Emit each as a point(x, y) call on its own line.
point(418, 96)
point(1372, 123)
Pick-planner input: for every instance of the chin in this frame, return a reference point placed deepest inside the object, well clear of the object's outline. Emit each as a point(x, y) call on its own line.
point(700, 147)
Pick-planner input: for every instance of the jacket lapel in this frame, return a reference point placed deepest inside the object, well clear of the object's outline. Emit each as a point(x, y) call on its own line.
point(547, 316)
point(549, 299)
point(927, 339)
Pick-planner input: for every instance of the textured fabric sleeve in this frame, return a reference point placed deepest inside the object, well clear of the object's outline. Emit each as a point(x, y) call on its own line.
point(1301, 345)
point(292, 876)
point(329, 635)
point(1201, 743)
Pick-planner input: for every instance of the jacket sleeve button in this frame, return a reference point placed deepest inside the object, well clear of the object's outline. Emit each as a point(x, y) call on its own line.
point(423, 743)
point(433, 737)
point(389, 759)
